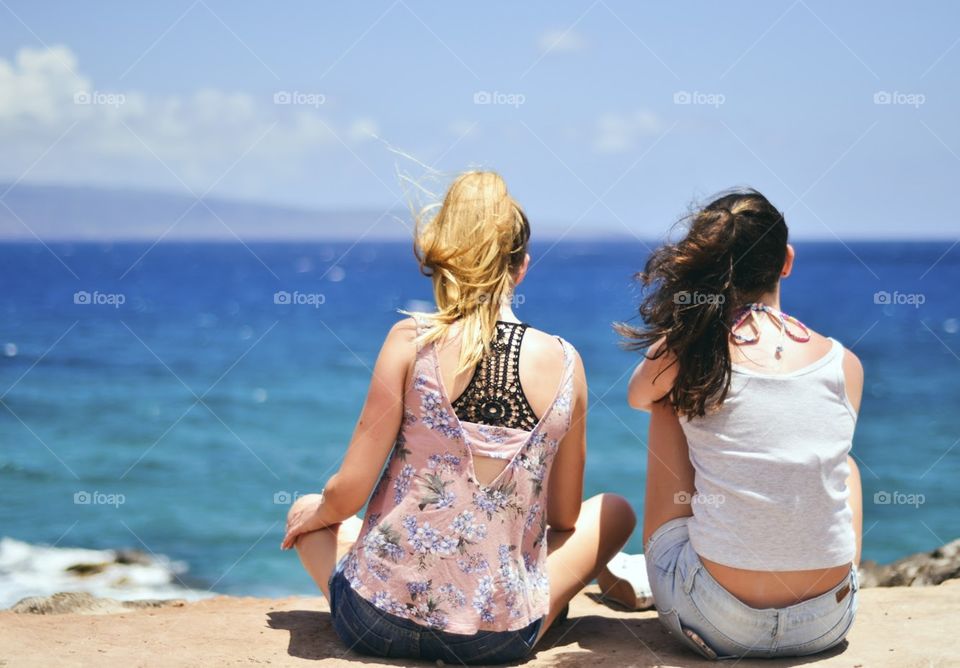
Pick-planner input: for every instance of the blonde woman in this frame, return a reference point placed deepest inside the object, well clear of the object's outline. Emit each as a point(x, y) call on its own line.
point(475, 538)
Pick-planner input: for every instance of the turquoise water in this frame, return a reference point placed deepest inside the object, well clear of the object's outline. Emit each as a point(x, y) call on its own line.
point(198, 406)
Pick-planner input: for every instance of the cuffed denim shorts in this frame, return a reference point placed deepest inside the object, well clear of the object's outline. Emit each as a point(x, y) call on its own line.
point(368, 630)
point(688, 599)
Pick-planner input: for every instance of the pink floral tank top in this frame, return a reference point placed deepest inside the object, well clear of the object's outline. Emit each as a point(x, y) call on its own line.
point(442, 549)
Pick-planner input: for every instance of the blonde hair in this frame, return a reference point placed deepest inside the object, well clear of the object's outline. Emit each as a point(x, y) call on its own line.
point(471, 249)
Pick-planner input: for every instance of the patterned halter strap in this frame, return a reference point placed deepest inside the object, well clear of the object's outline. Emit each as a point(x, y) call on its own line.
point(753, 311)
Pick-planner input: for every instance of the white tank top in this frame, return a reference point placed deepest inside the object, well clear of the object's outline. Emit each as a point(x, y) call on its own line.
point(771, 469)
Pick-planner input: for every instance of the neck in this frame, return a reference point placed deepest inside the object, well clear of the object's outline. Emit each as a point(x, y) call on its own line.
point(506, 312)
point(771, 299)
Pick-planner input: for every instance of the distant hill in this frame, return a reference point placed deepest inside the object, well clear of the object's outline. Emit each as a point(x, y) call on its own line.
point(54, 212)
point(76, 213)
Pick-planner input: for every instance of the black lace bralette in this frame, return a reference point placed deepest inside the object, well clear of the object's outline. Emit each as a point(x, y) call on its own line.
point(494, 395)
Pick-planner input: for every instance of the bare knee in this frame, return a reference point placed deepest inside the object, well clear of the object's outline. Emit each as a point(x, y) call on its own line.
point(618, 514)
point(300, 502)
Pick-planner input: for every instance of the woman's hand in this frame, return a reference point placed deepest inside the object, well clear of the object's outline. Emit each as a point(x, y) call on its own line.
point(304, 517)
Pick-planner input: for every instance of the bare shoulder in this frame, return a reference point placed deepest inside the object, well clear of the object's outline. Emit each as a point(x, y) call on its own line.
point(544, 349)
point(803, 353)
point(819, 340)
point(851, 363)
point(404, 330)
point(852, 367)
point(543, 359)
point(401, 339)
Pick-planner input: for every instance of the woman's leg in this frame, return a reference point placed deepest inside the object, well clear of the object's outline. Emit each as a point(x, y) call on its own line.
point(318, 554)
point(574, 558)
point(856, 504)
point(319, 550)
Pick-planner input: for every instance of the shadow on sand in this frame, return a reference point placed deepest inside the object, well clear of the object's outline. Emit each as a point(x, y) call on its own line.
point(587, 641)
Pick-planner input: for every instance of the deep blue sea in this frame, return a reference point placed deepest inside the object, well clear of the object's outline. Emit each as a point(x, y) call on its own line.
point(176, 408)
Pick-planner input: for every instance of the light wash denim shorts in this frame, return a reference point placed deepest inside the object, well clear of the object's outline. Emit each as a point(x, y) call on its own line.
point(688, 599)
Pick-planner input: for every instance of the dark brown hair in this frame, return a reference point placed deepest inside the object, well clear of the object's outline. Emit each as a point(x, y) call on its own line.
point(733, 252)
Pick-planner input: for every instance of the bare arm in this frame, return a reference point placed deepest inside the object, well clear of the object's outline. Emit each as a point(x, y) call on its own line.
point(348, 489)
point(653, 378)
point(670, 474)
point(853, 378)
point(565, 491)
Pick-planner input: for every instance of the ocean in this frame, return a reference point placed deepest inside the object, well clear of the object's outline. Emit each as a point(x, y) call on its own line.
point(174, 398)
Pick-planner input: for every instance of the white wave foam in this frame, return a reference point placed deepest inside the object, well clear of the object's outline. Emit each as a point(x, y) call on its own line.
point(40, 570)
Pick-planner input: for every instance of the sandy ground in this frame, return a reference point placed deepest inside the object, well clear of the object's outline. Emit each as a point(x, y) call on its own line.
point(902, 626)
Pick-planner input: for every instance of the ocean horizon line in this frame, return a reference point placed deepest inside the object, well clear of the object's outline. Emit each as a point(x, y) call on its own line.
point(542, 237)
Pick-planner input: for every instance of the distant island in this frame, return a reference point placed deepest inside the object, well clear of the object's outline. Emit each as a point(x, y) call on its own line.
point(55, 212)
point(86, 213)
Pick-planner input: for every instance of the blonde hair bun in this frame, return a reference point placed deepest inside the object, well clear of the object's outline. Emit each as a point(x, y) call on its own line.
point(471, 247)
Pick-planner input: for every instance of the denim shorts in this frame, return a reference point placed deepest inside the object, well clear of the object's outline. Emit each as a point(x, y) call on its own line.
point(368, 630)
point(688, 599)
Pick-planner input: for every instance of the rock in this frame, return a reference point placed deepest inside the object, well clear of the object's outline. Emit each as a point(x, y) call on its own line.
point(153, 603)
point(130, 556)
point(923, 568)
point(87, 569)
point(85, 604)
point(57, 604)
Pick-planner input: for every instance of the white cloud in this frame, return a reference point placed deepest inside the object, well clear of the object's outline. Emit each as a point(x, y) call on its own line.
point(556, 41)
point(126, 138)
point(618, 133)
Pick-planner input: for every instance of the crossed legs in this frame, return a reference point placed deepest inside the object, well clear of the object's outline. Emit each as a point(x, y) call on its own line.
point(574, 557)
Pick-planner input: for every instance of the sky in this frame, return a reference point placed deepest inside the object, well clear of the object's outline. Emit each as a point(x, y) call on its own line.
point(602, 116)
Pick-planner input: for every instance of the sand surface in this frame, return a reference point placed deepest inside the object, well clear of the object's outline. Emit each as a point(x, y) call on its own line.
point(900, 626)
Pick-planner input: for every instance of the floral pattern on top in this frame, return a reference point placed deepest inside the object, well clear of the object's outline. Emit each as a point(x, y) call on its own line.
point(434, 414)
point(439, 548)
point(498, 435)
